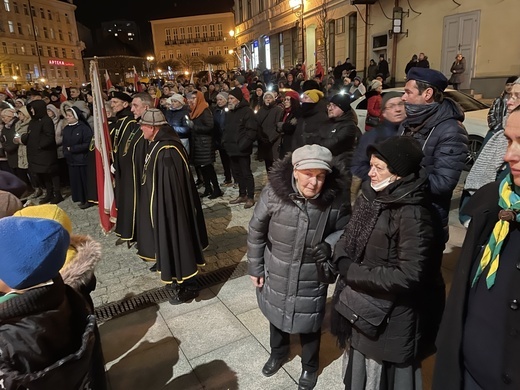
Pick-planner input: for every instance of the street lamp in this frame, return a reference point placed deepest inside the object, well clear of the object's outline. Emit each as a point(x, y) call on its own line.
point(149, 60)
point(297, 8)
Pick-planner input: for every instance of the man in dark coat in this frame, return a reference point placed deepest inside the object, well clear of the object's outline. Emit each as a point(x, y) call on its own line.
point(382, 67)
point(125, 132)
point(478, 343)
point(240, 131)
point(436, 122)
point(301, 212)
point(171, 229)
point(42, 150)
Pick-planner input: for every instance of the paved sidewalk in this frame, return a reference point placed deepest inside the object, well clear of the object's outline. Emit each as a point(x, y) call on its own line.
point(221, 339)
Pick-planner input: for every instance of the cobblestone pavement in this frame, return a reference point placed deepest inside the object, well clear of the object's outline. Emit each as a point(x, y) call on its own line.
point(121, 273)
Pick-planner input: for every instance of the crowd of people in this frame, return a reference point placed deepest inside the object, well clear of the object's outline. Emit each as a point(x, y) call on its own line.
point(366, 209)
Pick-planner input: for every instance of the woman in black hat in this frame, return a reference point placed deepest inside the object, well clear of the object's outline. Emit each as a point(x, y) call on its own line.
point(390, 295)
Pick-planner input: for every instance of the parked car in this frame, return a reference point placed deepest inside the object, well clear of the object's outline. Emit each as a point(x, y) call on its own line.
point(474, 111)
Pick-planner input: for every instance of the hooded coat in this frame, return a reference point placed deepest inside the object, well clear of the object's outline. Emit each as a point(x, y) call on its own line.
point(268, 142)
point(76, 140)
point(49, 334)
point(444, 141)
point(240, 130)
point(279, 247)
point(313, 117)
point(40, 140)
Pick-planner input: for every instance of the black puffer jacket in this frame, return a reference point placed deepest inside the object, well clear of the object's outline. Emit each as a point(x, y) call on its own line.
point(280, 234)
point(269, 138)
point(444, 142)
point(313, 117)
point(6, 138)
point(401, 263)
point(40, 140)
point(202, 147)
point(240, 128)
point(76, 141)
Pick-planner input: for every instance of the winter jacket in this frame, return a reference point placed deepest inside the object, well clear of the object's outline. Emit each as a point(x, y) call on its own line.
point(240, 130)
point(457, 71)
point(202, 147)
point(21, 128)
point(49, 334)
point(444, 142)
point(177, 120)
point(497, 113)
point(401, 263)
point(313, 117)
point(40, 140)
point(280, 235)
point(6, 138)
point(361, 162)
point(338, 135)
point(269, 138)
point(449, 369)
point(219, 118)
point(76, 141)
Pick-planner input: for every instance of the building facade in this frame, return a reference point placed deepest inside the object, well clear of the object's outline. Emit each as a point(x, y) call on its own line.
point(269, 35)
point(190, 40)
point(39, 43)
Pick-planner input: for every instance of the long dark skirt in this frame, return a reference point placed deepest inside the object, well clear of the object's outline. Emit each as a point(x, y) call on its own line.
point(78, 183)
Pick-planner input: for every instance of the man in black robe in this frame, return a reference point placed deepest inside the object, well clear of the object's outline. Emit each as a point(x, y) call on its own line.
point(124, 134)
point(171, 229)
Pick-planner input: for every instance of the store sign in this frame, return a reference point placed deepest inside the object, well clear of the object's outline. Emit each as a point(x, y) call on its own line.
point(60, 62)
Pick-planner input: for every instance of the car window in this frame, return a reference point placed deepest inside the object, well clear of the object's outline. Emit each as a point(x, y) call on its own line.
point(466, 102)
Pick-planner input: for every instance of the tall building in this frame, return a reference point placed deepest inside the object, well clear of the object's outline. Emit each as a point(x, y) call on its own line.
point(191, 39)
point(39, 43)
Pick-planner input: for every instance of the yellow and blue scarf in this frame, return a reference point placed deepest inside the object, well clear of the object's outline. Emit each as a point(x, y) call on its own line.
point(509, 201)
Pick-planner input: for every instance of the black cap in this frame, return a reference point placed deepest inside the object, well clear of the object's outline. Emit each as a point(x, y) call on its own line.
point(403, 155)
point(310, 84)
point(237, 93)
point(342, 101)
point(429, 76)
point(121, 96)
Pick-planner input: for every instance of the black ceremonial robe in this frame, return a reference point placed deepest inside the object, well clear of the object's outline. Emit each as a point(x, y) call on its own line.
point(171, 228)
point(125, 133)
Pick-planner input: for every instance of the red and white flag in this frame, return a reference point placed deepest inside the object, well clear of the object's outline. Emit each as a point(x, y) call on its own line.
point(9, 93)
point(107, 81)
point(104, 178)
point(137, 84)
point(209, 75)
point(63, 96)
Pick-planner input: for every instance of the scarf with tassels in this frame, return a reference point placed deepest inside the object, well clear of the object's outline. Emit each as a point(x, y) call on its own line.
point(509, 202)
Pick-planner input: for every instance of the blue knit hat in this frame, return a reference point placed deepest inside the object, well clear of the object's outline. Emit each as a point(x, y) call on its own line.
point(429, 76)
point(33, 251)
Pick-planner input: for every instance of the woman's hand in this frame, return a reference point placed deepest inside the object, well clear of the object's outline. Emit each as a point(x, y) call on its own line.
point(258, 281)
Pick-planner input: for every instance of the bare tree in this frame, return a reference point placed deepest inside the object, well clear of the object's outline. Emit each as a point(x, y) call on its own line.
point(323, 21)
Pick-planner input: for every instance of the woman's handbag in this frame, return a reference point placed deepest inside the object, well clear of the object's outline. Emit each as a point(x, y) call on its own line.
point(372, 121)
point(366, 313)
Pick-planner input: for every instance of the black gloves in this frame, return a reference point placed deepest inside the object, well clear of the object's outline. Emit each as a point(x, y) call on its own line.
point(321, 252)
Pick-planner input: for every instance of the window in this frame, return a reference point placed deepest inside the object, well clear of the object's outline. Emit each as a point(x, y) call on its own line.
point(60, 34)
point(33, 50)
point(44, 71)
point(72, 53)
point(33, 11)
point(42, 13)
point(190, 32)
point(49, 51)
point(22, 48)
point(168, 34)
point(46, 32)
point(218, 51)
point(66, 72)
point(70, 36)
point(211, 30)
point(240, 11)
point(249, 10)
point(260, 5)
point(210, 51)
point(76, 73)
point(51, 73)
point(182, 33)
point(40, 50)
point(64, 53)
point(170, 54)
point(29, 30)
point(58, 73)
point(67, 19)
point(58, 17)
point(53, 35)
point(7, 6)
point(175, 34)
point(11, 27)
point(26, 9)
point(179, 54)
point(204, 31)
point(36, 32)
point(15, 7)
point(20, 29)
point(4, 48)
point(340, 26)
point(49, 14)
point(197, 31)
point(225, 49)
point(219, 30)
point(163, 55)
point(56, 52)
point(195, 52)
point(15, 48)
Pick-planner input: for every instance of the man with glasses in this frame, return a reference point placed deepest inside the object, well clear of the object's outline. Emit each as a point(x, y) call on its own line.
point(392, 113)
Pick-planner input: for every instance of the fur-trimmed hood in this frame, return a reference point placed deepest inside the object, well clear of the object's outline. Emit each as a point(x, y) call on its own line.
point(79, 272)
point(281, 181)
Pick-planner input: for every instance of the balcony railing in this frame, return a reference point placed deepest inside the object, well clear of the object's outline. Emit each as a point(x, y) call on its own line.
point(171, 42)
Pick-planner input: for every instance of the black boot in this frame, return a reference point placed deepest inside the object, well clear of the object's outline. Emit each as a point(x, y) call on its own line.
point(57, 198)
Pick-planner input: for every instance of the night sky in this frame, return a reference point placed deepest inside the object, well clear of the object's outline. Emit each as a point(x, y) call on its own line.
point(92, 12)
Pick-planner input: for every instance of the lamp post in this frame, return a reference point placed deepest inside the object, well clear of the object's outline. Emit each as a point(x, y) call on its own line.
point(149, 60)
point(297, 8)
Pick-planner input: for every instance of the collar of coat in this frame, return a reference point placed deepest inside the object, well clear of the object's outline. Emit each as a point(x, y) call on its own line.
point(336, 183)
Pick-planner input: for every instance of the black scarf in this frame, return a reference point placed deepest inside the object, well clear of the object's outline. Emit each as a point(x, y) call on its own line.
point(359, 229)
point(417, 116)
